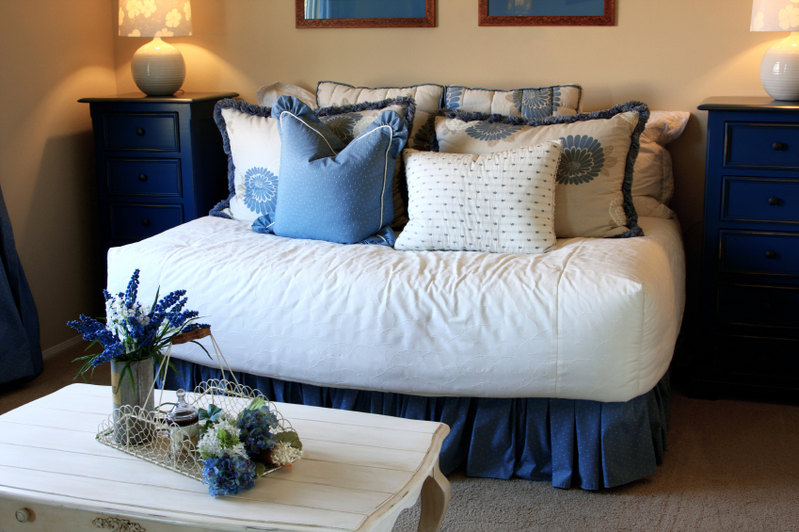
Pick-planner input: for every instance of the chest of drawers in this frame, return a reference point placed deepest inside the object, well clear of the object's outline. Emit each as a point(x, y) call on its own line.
point(750, 265)
point(160, 162)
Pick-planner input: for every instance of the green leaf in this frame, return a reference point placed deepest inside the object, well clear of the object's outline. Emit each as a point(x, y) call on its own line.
point(211, 414)
point(256, 403)
point(290, 437)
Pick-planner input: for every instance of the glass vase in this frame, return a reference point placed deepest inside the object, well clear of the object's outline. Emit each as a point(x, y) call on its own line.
point(131, 386)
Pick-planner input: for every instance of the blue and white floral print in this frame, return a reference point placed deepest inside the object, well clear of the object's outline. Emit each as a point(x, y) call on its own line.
point(581, 161)
point(453, 97)
point(260, 190)
point(532, 103)
point(490, 131)
point(343, 126)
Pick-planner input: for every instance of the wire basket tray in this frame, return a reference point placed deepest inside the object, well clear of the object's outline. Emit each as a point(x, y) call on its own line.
point(148, 435)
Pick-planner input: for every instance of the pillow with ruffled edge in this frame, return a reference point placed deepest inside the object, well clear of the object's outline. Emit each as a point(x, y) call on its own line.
point(529, 103)
point(502, 202)
point(428, 99)
point(349, 121)
point(330, 191)
point(251, 141)
point(593, 192)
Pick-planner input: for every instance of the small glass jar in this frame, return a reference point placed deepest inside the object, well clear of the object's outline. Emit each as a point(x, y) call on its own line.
point(184, 428)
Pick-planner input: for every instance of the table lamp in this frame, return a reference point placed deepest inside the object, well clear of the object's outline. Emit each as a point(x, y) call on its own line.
point(779, 71)
point(158, 67)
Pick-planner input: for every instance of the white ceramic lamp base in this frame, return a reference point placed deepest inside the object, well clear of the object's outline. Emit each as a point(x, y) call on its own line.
point(158, 68)
point(779, 71)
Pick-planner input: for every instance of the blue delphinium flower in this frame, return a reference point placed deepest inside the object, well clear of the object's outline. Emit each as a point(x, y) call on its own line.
point(133, 331)
point(228, 474)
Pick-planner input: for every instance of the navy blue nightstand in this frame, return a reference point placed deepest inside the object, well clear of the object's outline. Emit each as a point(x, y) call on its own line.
point(750, 263)
point(160, 162)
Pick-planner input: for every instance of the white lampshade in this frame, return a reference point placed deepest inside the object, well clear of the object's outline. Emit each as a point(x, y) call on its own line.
point(779, 70)
point(158, 67)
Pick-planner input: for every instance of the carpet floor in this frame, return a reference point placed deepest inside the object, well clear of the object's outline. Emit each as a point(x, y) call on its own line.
point(730, 465)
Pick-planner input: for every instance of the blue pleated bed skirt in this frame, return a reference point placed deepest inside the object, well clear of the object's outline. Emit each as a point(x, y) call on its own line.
point(585, 444)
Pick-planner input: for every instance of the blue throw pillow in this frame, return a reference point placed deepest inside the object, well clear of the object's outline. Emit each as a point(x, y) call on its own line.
point(332, 192)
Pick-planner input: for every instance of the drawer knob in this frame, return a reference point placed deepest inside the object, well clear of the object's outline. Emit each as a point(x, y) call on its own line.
point(143, 177)
point(774, 201)
point(146, 222)
point(24, 515)
point(771, 254)
point(140, 132)
point(778, 146)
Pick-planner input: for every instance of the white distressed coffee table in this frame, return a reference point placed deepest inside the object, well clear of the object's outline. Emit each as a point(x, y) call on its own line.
point(358, 472)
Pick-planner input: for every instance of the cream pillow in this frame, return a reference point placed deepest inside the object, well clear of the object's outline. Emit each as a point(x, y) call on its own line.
point(653, 176)
point(497, 202)
point(593, 193)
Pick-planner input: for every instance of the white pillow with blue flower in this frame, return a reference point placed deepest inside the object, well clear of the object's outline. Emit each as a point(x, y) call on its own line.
point(252, 144)
point(594, 179)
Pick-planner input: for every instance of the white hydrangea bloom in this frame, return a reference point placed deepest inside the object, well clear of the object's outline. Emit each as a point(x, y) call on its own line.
point(211, 445)
point(284, 454)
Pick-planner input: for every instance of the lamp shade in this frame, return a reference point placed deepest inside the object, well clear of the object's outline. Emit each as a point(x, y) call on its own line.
point(154, 18)
point(779, 70)
point(157, 67)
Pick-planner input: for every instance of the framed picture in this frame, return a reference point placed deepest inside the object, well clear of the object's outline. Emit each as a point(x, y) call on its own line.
point(547, 12)
point(365, 13)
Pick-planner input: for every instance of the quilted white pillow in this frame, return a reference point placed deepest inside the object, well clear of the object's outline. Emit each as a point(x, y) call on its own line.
point(497, 202)
point(531, 103)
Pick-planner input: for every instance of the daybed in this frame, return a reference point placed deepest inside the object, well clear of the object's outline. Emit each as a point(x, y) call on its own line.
point(547, 364)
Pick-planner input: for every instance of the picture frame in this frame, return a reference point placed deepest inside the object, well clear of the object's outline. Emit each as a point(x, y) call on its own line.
point(547, 13)
point(362, 15)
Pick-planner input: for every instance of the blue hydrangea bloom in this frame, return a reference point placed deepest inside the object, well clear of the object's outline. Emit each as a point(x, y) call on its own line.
point(228, 475)
point(255, 433)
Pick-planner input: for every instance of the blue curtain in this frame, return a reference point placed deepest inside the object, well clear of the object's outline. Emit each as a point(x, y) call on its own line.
point(20, 351)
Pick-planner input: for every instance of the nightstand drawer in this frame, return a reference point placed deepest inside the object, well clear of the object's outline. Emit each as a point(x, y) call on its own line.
point(141, 131)
point(763, 145)
point(758, 199)
point(775, 359)
point(759, 253)
point(765, 306)
point(144, 177)
point(130, 221)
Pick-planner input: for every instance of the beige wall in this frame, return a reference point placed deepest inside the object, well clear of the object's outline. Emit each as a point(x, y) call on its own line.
point(670, 54)
point(53, 54)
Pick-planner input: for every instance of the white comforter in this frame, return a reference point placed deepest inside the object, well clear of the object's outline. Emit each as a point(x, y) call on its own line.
point(591, 319)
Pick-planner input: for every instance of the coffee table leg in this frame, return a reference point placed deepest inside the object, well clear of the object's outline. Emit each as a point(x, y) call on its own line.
point(435, 500)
